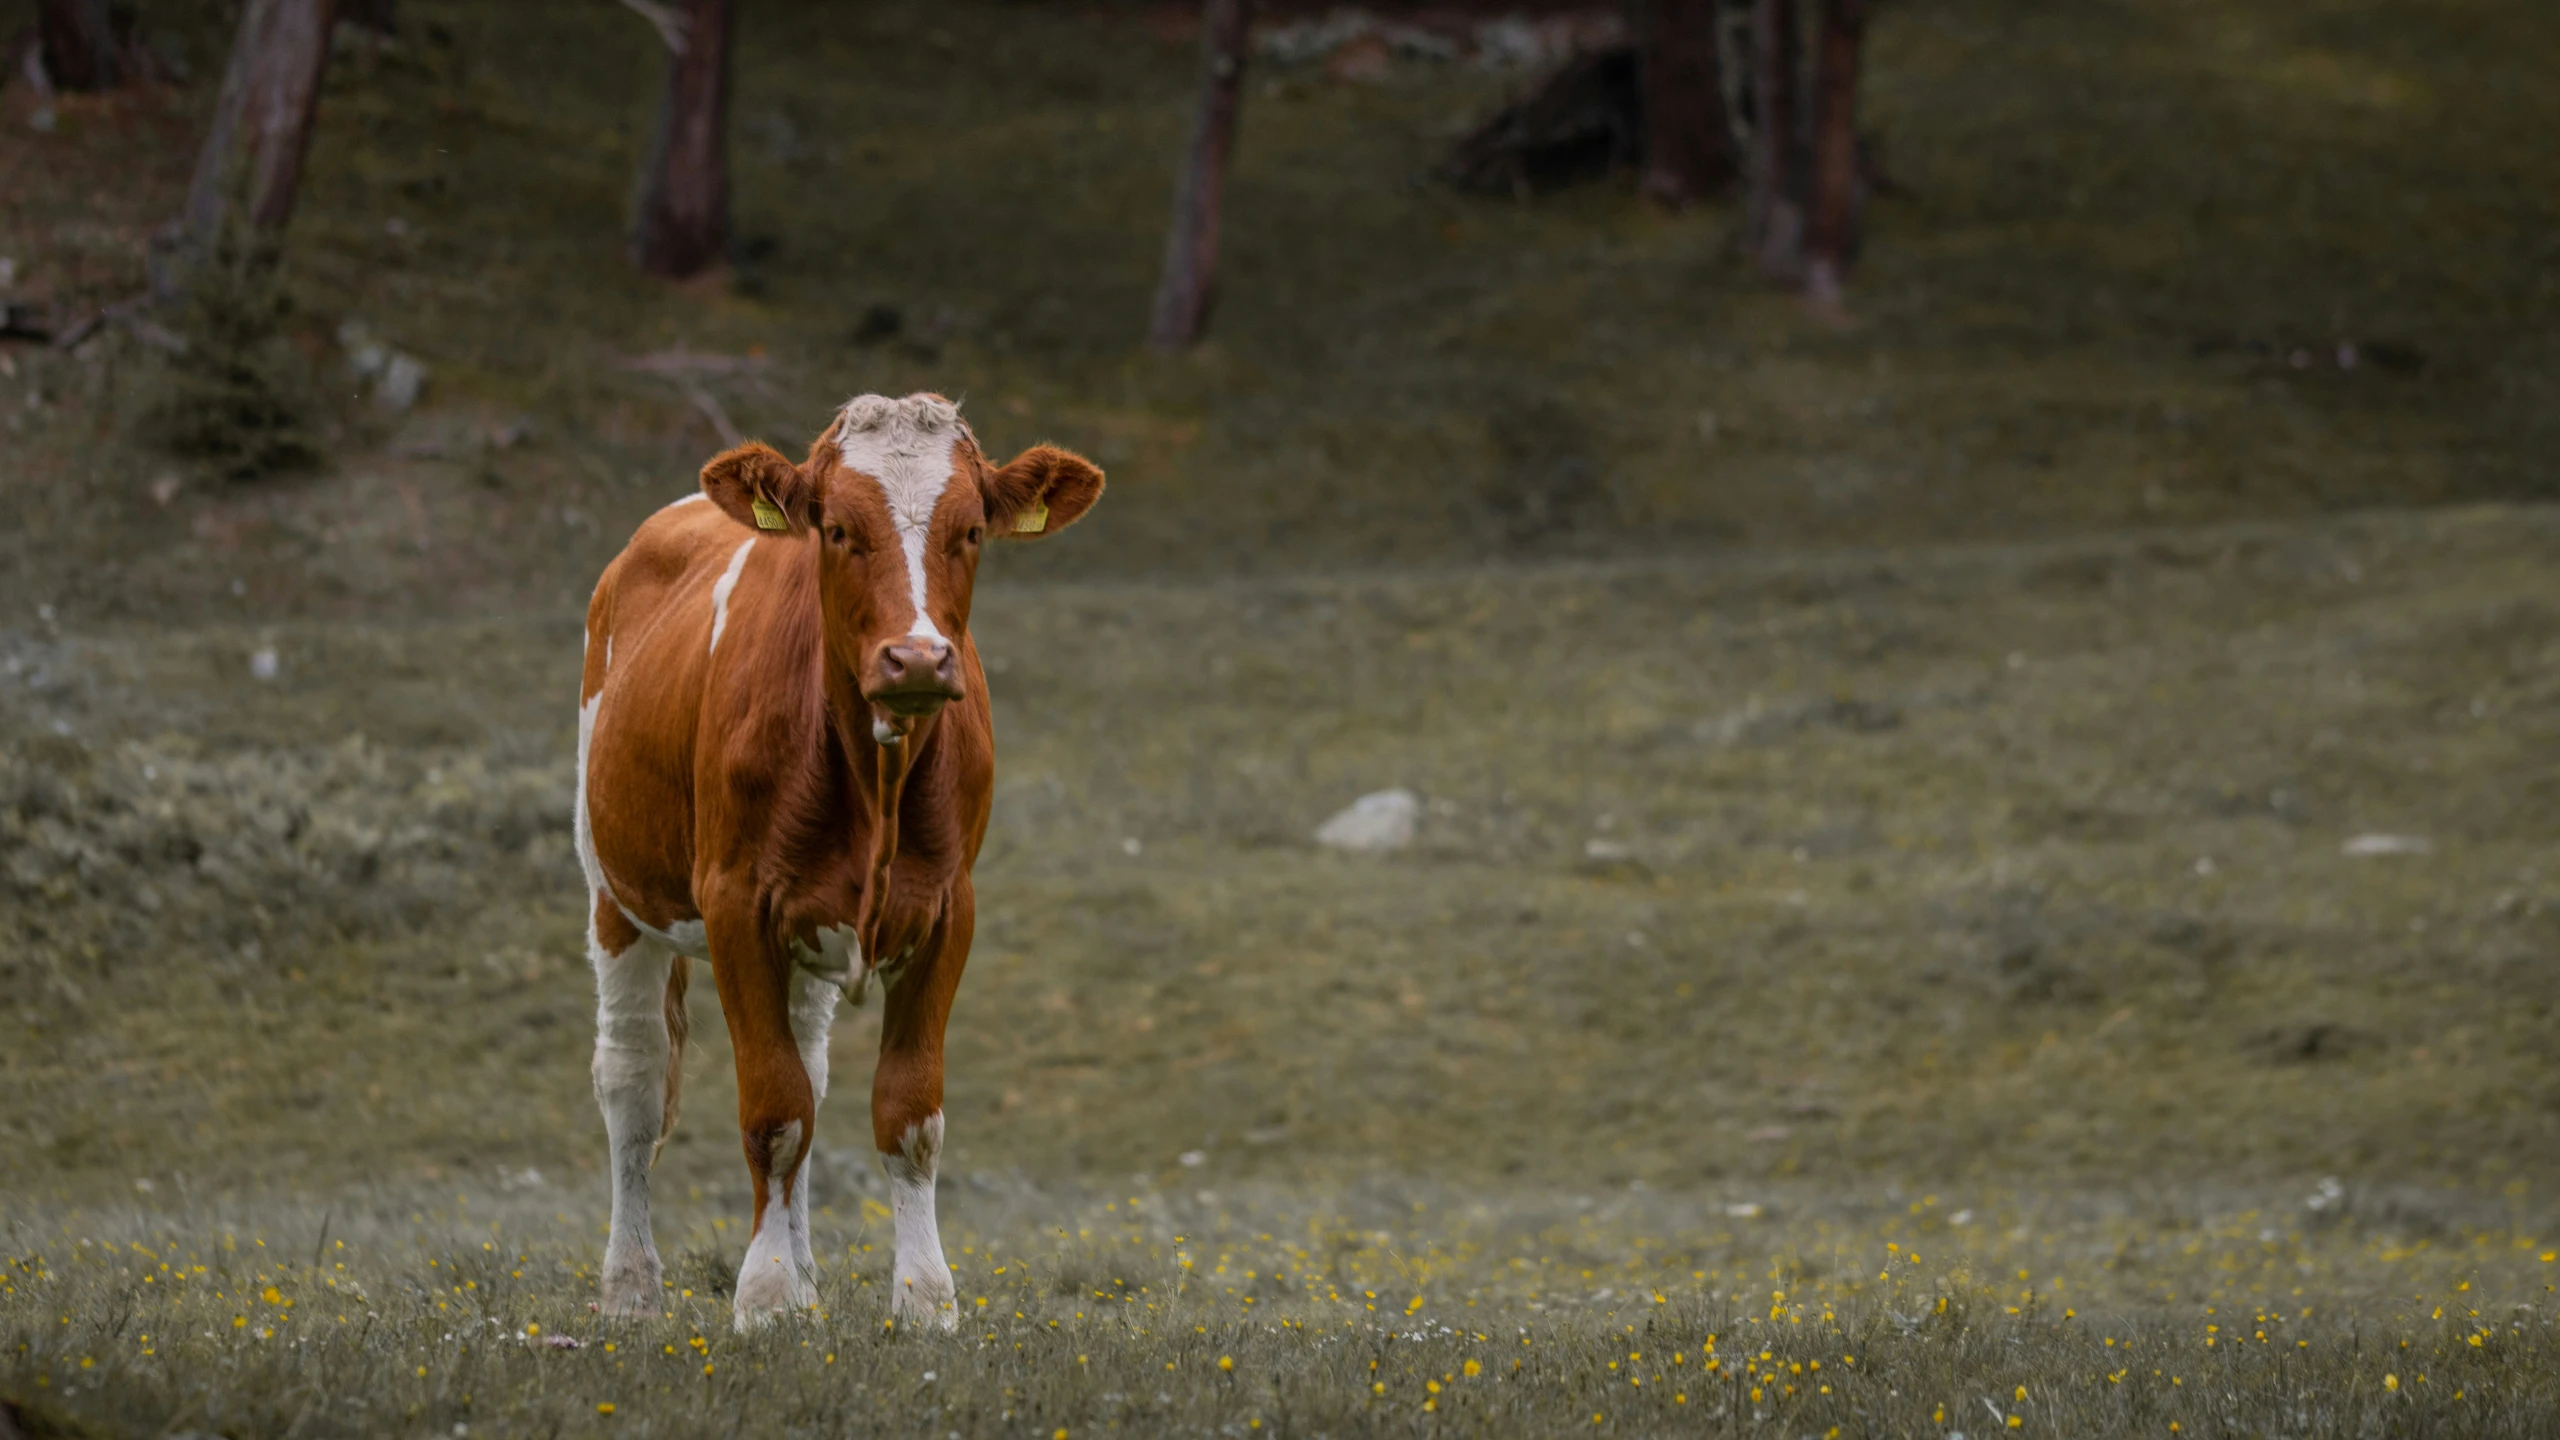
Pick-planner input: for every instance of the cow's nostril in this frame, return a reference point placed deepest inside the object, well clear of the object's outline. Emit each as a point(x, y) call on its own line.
point(919, 664)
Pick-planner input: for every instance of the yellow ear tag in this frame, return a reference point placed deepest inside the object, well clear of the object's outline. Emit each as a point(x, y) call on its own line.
point(768, 515)
point(1033, 520)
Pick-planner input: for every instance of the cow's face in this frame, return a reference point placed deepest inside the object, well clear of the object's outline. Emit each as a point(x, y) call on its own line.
point(897, 501)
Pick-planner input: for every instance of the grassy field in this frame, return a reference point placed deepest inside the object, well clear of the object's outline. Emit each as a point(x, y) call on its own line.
point(1379, 1313)
point(1996, 904)
point(2006, 851)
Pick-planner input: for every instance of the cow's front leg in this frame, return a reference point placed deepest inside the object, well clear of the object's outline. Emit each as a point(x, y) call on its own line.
point(777, 1108)
point(633, 1050)
point(813, 1014)
point(906, 1120)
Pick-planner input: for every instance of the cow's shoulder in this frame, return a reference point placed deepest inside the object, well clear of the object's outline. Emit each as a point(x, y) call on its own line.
point(661, 560)
point(681, 536)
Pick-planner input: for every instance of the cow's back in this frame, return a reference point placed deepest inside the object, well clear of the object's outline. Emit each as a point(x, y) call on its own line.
point(649, 645)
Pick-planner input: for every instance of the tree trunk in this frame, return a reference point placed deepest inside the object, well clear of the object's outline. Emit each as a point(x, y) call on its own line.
point(1776, 227)
point(251, 166)
point(683, 225)
point(80, 50)
point(1191, 248)
point(382, 17)
point(1688, 151)
point(1839, 187)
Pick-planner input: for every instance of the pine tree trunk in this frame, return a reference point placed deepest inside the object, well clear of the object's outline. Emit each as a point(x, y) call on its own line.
point(250, 169)
point(1831, 235)
point(1688, 151)
point(80, 51)
point(1777, 163)
point(382, 17)
point(1191, 248)
point(683, 224)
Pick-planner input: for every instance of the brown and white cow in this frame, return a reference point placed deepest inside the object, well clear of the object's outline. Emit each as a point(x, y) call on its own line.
point(785, 760)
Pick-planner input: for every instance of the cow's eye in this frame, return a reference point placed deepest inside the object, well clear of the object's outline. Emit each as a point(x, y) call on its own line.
point(835, 535)
point(977, 533)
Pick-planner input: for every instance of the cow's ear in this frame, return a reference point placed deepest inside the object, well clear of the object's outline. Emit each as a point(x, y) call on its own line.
point(759, 489)
point(1042, 490)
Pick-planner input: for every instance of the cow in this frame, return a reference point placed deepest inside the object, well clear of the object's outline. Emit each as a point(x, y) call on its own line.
point(785, 766)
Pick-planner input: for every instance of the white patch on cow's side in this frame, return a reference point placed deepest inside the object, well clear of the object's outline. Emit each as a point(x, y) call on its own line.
point(685, 937)
point(721, 587)
point(578, 824)
point(630, 1074)
point(608, 654)
point(904, 445)
point(920, 1292)
point(682, 500)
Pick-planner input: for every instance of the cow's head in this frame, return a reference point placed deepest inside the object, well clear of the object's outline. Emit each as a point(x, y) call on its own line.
point(897, 501)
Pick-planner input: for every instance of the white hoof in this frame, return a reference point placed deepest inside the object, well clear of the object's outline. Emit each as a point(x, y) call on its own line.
point(631, 1285)
point(770, 1286)
point(918, 1300)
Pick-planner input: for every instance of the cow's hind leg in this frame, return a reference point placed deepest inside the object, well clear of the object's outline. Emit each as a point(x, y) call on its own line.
point(813, 1015)
point(777, 1107)
point(633, 1050)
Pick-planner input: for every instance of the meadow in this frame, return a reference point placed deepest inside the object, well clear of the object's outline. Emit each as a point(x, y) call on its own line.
point(1990, 871)
point(1378, 1313)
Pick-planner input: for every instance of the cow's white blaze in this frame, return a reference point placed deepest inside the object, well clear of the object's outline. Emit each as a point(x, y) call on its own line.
point(920, 1291)
point(905, 447)
point(682, 500)
point(721, 587)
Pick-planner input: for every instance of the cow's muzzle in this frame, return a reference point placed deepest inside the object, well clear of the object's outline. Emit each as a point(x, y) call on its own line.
point(914, 676)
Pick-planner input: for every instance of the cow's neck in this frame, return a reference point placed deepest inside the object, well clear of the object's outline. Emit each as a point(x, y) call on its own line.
point(867, 764)
point(877, 774)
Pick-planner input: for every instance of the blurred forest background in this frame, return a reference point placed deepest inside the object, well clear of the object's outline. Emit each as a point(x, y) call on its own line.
point(1962, 587)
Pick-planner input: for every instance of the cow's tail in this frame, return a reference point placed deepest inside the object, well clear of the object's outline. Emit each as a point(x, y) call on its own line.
point(679, 1027)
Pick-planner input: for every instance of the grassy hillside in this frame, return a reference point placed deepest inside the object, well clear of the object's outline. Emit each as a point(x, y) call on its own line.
point(2127, 249)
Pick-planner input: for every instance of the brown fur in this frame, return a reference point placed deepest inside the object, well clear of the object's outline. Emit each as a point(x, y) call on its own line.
point(614, 930)
point(679, 1030)
point(744, 786)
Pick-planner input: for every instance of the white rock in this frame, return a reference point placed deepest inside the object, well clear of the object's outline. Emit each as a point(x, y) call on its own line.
point(262, 665)
point(2367, 845)
point(365, 353)
point(402, 378)
point(1379, 821)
